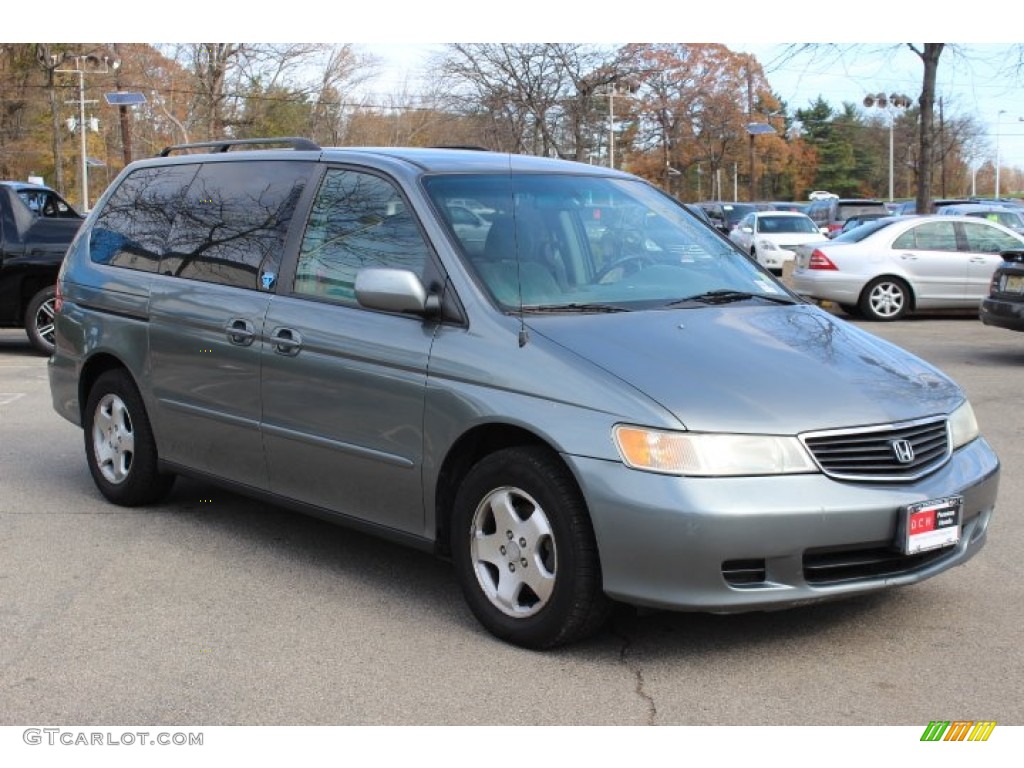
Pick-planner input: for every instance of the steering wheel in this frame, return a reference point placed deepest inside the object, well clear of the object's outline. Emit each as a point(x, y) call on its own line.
point(640, 260)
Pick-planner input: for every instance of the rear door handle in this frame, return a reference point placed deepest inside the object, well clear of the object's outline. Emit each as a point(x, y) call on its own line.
point(286, 341)
point(908, 256)
point(240, 331)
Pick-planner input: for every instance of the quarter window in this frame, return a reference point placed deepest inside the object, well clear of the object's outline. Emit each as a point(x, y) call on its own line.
point(358, 221)
point(131, 231)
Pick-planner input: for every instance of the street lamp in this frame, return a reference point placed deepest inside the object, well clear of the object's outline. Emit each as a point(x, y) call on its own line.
point(999, 120)
point(756, 129)
point(613, 88)
point(96, 62)
point(889, 104)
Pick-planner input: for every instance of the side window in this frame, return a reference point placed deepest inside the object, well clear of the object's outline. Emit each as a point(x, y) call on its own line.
point(358, 221)
point(132, 229)
point(232, 224)
point(985, 239)
point(930, 236)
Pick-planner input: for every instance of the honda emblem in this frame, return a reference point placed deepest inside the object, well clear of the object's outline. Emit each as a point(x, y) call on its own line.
point(903, 451)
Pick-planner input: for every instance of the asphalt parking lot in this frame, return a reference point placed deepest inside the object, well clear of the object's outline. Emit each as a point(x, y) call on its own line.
point(212, 609)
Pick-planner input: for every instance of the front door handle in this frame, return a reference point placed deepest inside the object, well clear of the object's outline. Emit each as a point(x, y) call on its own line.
point(240, 331)
point(286, 341)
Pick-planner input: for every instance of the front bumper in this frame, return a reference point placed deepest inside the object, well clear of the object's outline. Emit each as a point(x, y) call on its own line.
point(675, 543)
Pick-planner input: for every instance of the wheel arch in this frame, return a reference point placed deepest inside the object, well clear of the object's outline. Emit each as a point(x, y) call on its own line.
point(93, 368)
point(478, 442)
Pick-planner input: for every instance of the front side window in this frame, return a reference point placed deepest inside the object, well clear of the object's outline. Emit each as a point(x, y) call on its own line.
point(984, 239)
point(232, 224)
point(358, 221)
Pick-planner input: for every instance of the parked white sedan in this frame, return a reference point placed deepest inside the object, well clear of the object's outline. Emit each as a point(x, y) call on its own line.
point(886, 268)
point(770, 236)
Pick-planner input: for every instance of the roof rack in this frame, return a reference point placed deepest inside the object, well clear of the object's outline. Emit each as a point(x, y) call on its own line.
point(225, 144)
point(472, 147)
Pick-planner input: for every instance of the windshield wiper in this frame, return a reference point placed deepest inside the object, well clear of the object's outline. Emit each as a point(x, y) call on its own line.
point(727, 296)
point(576, 307)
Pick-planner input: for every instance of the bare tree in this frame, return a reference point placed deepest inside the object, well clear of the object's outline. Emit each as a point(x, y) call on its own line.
point(538, 97)
point(929, 54)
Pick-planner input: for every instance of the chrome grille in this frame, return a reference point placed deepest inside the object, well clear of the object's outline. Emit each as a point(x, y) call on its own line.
point(880, 453)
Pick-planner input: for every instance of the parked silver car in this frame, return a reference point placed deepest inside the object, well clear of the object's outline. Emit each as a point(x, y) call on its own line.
point(607, 401)
point(889, 267)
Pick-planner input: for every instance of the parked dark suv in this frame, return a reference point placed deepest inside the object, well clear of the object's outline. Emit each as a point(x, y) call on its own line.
point(830, 214)
point(587, 395)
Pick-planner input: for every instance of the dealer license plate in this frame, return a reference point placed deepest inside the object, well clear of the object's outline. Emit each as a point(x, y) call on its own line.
point(930, 524)
point(1014, 284)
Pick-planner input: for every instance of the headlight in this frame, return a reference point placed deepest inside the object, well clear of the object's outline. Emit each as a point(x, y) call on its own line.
point(710, 455)
point(767, 245)
point(963, 427)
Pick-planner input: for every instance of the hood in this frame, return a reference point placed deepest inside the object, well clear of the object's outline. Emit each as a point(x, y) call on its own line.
point(757, 369)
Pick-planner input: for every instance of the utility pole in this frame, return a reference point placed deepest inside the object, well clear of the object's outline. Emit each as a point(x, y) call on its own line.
point(750, 119)
point(122, 115)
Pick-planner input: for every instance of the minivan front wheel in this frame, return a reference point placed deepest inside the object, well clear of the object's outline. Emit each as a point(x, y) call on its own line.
point(119, 444)
point(885, 298)
point(524, 550)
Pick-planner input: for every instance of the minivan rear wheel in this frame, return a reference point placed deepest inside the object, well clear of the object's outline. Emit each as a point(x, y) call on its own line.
point(524, 550)
point(119, 444)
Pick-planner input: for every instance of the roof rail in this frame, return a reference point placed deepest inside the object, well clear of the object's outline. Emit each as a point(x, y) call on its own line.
point(472, 147)
point(224, 145)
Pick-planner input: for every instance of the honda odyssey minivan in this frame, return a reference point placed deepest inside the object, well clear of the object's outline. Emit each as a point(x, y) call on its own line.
point(598, 399)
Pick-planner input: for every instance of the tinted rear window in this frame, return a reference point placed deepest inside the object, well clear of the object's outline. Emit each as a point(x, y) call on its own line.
point(846, 210)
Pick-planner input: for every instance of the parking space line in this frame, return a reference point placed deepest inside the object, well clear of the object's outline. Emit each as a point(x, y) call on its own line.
point(6, 398)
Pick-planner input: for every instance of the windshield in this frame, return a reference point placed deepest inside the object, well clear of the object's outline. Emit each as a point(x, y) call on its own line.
point(786, 225)
point(588, 243)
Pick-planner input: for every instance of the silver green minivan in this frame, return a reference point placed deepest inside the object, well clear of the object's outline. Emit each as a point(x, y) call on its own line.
point(581, 394)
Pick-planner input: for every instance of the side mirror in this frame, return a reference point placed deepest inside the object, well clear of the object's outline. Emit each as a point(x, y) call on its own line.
point(394, 290)
point(748, 230)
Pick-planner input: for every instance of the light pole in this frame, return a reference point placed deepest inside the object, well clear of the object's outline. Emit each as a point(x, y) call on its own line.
point(999, 121)
point(892, 102)
point(756, 129)
point(96, 62)
point(613, 88)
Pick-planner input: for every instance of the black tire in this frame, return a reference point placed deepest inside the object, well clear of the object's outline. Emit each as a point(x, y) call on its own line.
point(885, 299)
point(557, 597)
point(119, 444)
point(851, 309)
point(39, 317)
